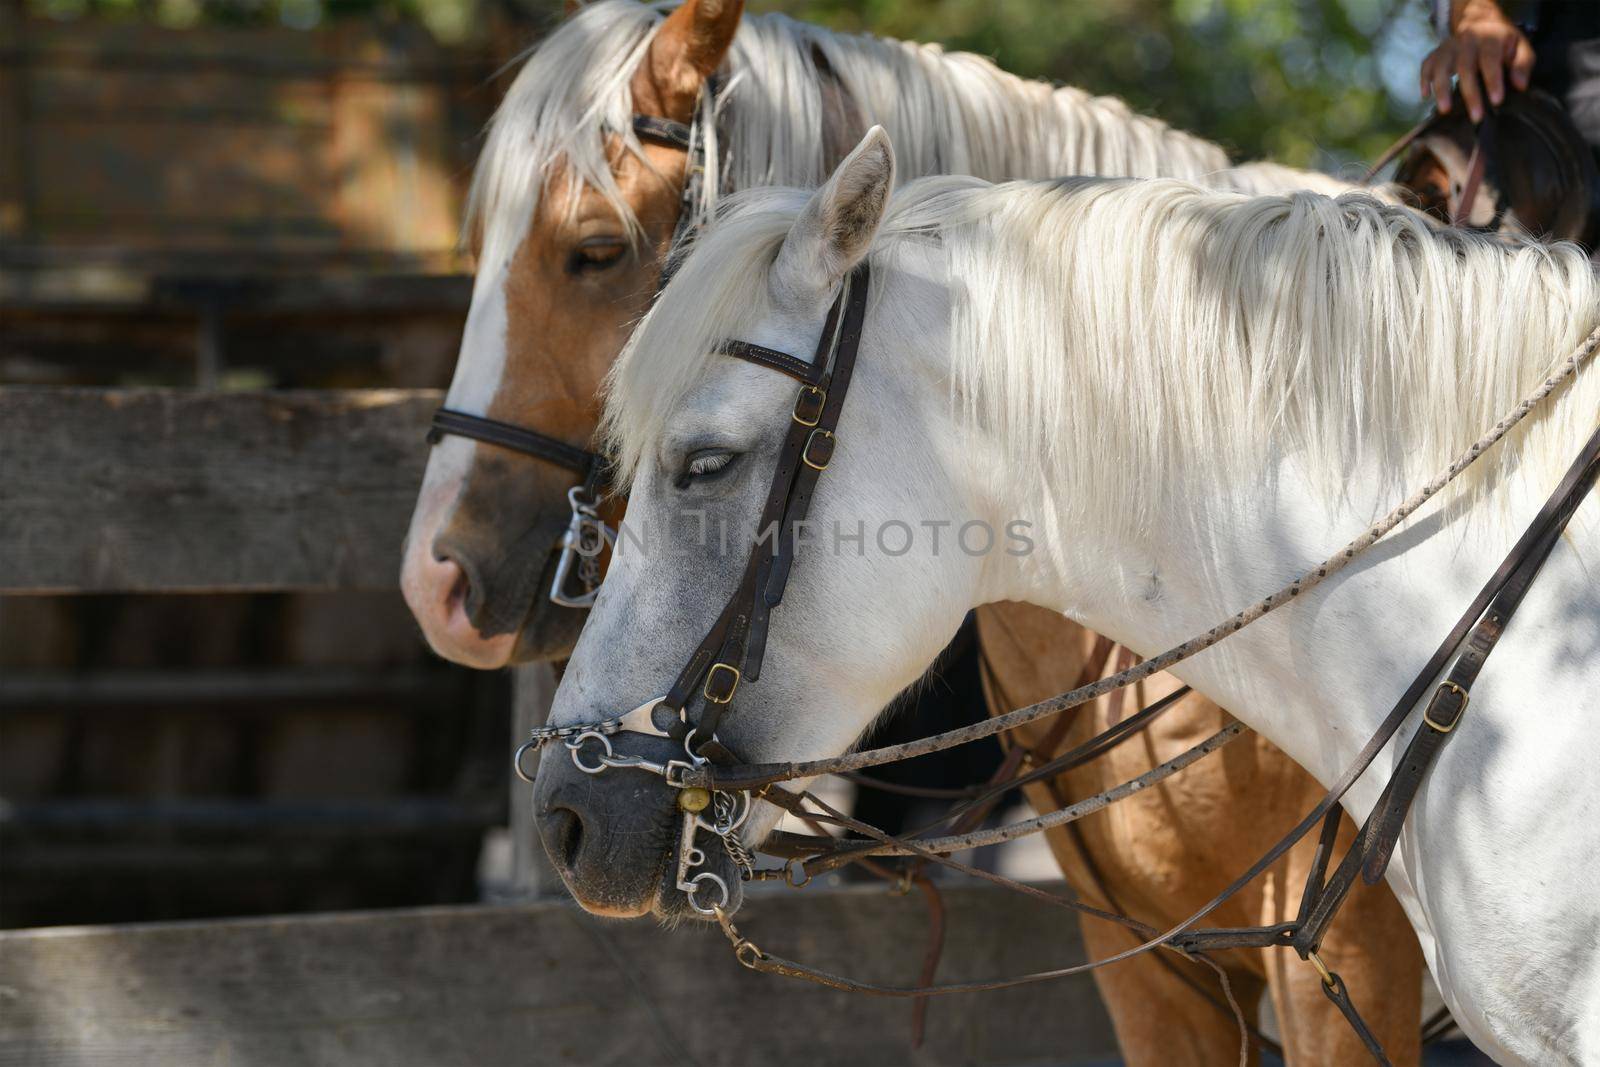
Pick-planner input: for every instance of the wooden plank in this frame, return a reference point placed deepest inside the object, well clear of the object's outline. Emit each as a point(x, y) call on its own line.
point(542, 983)
point(207, 140)
point(172, 490)
point(399, 690)
point(533, 690)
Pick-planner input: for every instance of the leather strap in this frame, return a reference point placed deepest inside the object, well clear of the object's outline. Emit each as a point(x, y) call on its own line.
point(733, 648)
point(666, 131)
point(1334, 988)
point(1450, 700)
point(586, 464)
point(798, 369)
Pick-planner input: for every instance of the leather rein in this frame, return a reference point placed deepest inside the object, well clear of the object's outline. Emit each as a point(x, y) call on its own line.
point(711, 779)
point(577, 576)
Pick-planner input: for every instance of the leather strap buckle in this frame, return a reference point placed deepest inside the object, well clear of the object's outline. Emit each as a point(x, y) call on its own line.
point(1444, 687)
point(719, 688)
point(819, 450)
point(808, 405)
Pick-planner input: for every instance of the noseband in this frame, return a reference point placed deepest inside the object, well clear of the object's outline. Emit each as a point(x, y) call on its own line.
point(732, 650)
point(587, 534)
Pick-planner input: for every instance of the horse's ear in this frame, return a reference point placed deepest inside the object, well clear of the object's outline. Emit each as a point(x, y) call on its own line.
point(686, 50)
point(836, 229)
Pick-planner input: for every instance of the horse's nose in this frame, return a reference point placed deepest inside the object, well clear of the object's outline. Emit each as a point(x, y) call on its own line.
point(561, 830)
point(614, 836)
point(441, 590)
point(607, 835)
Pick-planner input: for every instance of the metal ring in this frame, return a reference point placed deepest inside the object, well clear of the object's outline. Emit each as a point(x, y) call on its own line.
point(694, 889)
point(789, 867)
point(580, 501)
point(516, 761)
point(575, 750)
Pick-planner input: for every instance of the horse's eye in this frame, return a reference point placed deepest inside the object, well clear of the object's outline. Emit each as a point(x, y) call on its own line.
point(596, 254)
point(703, 465)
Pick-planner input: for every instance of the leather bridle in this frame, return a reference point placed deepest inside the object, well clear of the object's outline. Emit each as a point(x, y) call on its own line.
point(577, 576)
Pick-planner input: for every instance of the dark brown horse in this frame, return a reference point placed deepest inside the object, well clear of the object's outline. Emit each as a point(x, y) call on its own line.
point(1524, 168)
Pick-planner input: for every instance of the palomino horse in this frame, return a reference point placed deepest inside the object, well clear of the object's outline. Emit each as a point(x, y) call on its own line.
point(1255, 379)
point(573, 222)
point(1162, 853)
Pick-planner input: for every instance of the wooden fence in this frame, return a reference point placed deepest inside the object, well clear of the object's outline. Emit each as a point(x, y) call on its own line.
point(543, 984)
point(170, 490)
point(178, 490)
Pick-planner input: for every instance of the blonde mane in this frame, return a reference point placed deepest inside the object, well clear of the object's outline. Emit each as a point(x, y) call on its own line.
point(948, 113)
point(1155, 324)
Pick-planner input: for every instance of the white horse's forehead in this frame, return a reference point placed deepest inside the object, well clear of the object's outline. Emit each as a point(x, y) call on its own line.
point(481, 364)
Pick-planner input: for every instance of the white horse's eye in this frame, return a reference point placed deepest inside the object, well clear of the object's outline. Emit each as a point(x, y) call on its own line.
point(708, 462)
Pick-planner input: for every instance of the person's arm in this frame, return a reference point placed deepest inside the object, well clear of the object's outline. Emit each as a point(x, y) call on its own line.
point(1482, 44)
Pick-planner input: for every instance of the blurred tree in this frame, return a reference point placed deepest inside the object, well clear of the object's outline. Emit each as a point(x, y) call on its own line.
point(1309, 82)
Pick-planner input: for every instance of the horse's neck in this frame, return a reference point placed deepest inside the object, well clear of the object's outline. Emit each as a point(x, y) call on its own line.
point(952, 113)
point(1317, 676)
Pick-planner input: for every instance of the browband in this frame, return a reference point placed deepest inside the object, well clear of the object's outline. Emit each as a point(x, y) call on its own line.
point(782, 362)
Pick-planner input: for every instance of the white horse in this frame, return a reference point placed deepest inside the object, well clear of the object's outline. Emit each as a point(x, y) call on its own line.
point(1255, 379)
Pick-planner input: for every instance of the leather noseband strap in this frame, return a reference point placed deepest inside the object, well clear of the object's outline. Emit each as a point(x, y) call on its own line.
point(587, 465)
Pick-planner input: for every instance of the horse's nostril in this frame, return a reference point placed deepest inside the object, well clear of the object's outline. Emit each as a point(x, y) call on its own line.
point(464, 587)
point(563, 837)
point(459, 589)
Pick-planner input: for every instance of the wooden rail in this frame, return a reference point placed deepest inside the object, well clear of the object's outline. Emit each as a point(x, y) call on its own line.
point(543, 984)
point(114, 490)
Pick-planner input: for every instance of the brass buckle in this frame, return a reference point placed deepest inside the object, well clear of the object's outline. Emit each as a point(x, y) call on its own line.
point(732, 687)
point(826, 439)
point(1466, 698)
point(809, 403)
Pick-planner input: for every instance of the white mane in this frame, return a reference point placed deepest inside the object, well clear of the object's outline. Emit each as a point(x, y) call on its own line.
point(1154, 324)
point(948, 113)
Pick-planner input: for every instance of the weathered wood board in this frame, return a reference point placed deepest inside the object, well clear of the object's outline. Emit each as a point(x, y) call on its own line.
point(175, 490)
point(252, 140)
point(542, 984)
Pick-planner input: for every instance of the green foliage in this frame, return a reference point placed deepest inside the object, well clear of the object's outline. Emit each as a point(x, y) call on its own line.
point(1293, 80)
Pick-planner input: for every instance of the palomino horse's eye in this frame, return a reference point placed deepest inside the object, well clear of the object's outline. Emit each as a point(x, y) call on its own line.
point(704, 464)
point(596, 254)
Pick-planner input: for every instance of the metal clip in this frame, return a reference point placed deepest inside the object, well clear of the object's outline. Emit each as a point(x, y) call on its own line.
point(585, 539)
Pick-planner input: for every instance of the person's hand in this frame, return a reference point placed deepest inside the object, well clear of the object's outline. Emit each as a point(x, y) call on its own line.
point(1483, 44)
